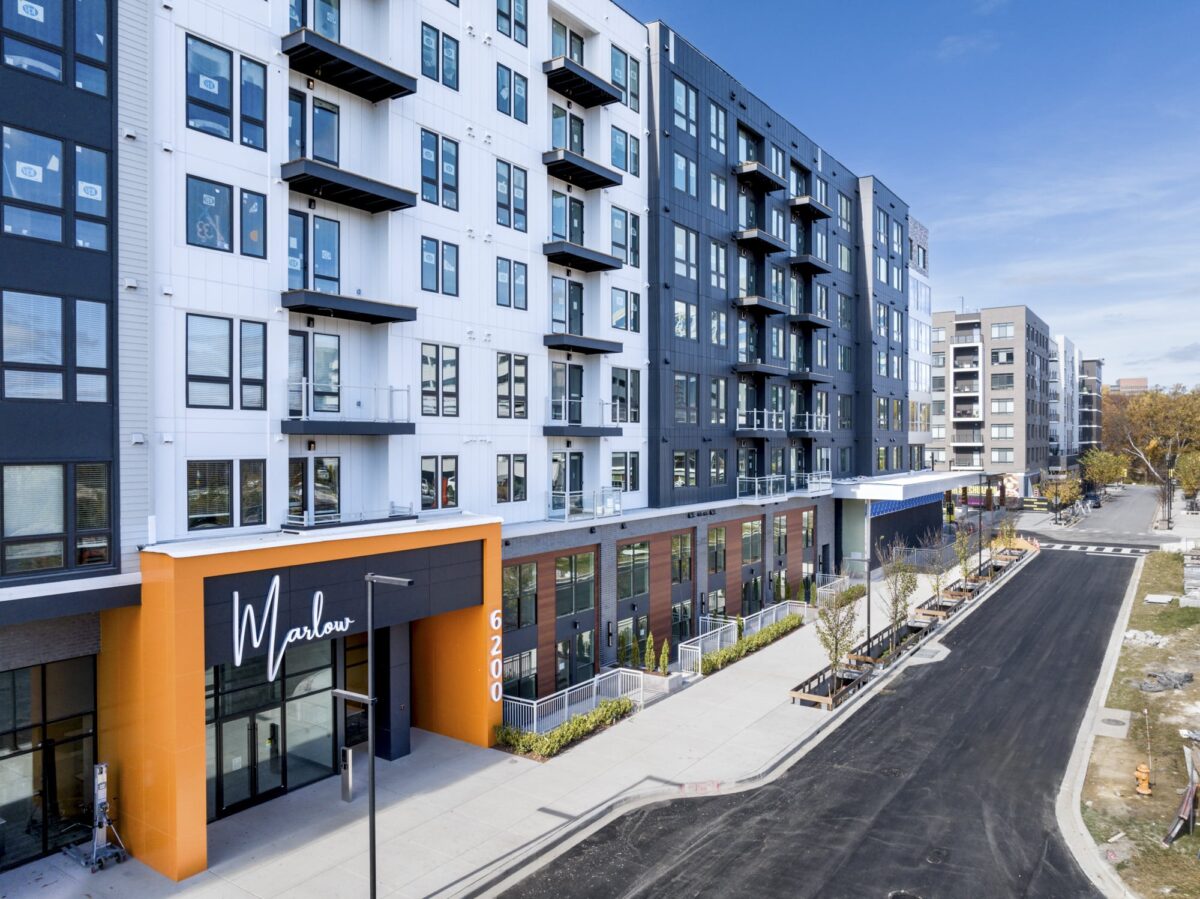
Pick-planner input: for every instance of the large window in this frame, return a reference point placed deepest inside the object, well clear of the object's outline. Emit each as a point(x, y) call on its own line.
point(54, 516)
point(685, 320)
point(681, 558)
point(511, 279)
point(779, 536)
point(209, 88)
point(716, 550)
point(209, 214)
point(33, 185)
point(253, 364)
point(684, 105)
point(512, 20)
point(209, 362)
point(626, 75)
point(716, 128)
point(686, 263)
point(751, 542)
point(717, 467)
point(439, 56)
point(216, 500)
point(625, 151)
point(519, 591)
point(254, 224)
point(687, 404)
point(633, 570)
point(439, 266)
point(626, 395)
point(511, 478)
point(511, 209)
point(512, 386)
point(683, 466)
point(439, 380)
point(626, 310)
point(33, 40)
point(574, 583)
point(439, 482)
point(520, 670)
point(626, 471)
point(36, 360)
point(439, 170)
point(626, 237)
point(512, 93)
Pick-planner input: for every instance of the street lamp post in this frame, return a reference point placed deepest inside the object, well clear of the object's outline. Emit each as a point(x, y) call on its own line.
point(369, 701)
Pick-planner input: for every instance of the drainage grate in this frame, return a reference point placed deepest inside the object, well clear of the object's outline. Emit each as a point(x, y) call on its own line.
point(937, 856)
point(1112, 722)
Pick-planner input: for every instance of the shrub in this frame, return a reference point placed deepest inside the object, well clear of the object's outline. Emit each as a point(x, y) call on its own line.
point(551, 743)
point(664, 657)
point(850, 594)
point(715, 661)
point(648, 660)
point(622, 650)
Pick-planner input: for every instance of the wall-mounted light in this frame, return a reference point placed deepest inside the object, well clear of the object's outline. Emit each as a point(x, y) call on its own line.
point(312, 446)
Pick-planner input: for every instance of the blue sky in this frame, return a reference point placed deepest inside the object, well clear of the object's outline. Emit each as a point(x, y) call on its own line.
point(1052, 146)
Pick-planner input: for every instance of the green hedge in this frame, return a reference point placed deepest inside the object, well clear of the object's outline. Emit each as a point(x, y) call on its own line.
point(715, 661)
point(850, 594)
point(578, 728)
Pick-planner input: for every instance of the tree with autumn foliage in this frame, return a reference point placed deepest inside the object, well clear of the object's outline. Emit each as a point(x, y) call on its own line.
point(1101, 467)
point(1153, 431)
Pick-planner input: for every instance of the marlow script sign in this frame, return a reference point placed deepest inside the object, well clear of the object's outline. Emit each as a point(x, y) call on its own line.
point(245, 623)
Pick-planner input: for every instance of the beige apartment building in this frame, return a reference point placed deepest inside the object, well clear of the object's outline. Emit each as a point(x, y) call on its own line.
point(992, 394)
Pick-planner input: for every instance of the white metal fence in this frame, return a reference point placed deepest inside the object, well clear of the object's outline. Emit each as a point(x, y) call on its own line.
point(828, 591)
point(542, 715)
point(725, 634)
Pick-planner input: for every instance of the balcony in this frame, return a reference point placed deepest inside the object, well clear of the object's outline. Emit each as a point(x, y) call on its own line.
point(759, 176)
point(319, 57)
point(567, 77)
point(759, 423)
point(967, 463)
point(967, 437)
point(769, 487)
point(333, 305)
point(762, 304)
point(810, 208)
point(1054, 396)
point(969, 413)
point(756, 365)
point(573, 255)
point(810, 483)
point(968, 337)
point(966, 363)
point(304, 520)
point(810, 264)
point(328, 182)
point(803, 372)
point(809, 423)
point(577, 343)
point(578, 418)
point(809, 319)
point(966, 387)
point(576, 169)
point(342, 410)
point(573, 505)
point(759, 240)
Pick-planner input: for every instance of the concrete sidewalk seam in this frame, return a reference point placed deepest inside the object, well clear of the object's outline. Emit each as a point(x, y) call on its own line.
point(589, 822)
point(1078, 838)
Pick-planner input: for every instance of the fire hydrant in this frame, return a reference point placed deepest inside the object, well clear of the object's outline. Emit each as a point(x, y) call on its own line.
point(1143, 779)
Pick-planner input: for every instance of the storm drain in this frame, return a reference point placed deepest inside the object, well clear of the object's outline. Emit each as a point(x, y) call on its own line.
point(1113, 722)
point(937, 856)
point(903, 894)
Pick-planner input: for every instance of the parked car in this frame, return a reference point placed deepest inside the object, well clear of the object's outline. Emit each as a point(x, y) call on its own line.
point(1093, 500)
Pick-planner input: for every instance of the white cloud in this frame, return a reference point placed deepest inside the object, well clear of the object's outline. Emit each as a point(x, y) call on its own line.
point(957, 46)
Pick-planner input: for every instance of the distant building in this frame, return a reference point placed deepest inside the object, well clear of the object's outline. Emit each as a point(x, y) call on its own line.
point(1090, 423)
point(920, 356)
point(1066, 365)
point(1131, 386)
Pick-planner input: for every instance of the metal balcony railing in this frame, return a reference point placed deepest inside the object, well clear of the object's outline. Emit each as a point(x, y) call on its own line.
point(578, 411)
point(308, 399)
point(972, 337)
point(570, 505)
point(760, 420)
point(971, 387)
point(810, 421)
point(762, 487)
point(810, 482)
point(311, 519)
point(967, 437)
point(962, 364)
point(967, 412)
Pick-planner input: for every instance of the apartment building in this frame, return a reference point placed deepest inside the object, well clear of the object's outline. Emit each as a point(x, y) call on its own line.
point(992, 391)
point(920, 351)
point(1091, 404)
point(1131, 386)
point(1066, 365)
point(530, 303)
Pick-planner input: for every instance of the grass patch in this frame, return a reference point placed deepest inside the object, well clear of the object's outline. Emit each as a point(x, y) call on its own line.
point(715, 661)
point(551, 743)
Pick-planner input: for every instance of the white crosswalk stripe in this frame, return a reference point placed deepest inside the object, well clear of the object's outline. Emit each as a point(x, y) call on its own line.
point(1110, 550)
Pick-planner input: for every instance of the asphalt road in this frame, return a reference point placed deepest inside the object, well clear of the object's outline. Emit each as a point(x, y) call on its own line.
point(1125, 517)
point(943, 784)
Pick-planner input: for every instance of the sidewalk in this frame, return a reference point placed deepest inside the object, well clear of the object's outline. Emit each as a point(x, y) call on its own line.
point(451, 810)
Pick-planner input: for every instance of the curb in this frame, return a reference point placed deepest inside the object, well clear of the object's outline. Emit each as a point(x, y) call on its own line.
point(1067, 808)
point(534, 857)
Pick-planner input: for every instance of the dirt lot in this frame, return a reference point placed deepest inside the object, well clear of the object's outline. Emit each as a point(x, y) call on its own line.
point(1110, 804)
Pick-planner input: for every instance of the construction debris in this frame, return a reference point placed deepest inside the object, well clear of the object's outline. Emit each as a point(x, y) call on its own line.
point(1190, 734)
point(1145, 638)
point(1160, 681)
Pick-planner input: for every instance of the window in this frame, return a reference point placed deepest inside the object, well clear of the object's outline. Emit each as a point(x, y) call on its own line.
point(34, 366)
point(845, 411)
point(716, 467)
point(625, 151)
point(683, 175)
point(897, 277)
point(439, 380)
point(519, 592)
point(252, 364)
point(439, 482)
point(626, 75)
point(564, 42)
point(681, 622)
point(716, 265)
point(1003, 357)
point(681, 558)
point(881, 413)
point(716, 550)
point(881, 458)
point(881, 363)
point(209, 86)
point(716, 128)
point(897, 326)
point(843, 358)
point(252, 491)
point(751, 542)
point(626, 473)
point(254, 104)
point(439, 183)
point(574, 584)
point(1003, 455)
point(719, 327)
point(512, 92)
point(881, 320)
point(684, 104)
point(296, 135)
point(325, 138)
point(633, 570)
point(881, 227)
point(511, 283)
point(439, 265)
point(881, 267)
point(626, 237)
point(717, 190)
point(53, 517)
point(441, 66)
point(938, 335)
point(512, 386)
point(209, 362)
point(897, 415)
point(510, 196)
point(685, 320)
point(686, 265)
point(510, 478)
point(1003, 432)
point(897, 237)
point(779, 536)
point(1002, 331)
point(626, 395)
point(897, 364)
point(845, 212)
point(209, 495)
point(718, 392)
point(254, 224)
point(512, 20)
point(684, 467)
point(1002, 382)
point(626, 310)
point(91, 199)
point(209, 214)
point(843, 258)
point(821, 350)
point(686, 400)
point(520, 670)
point(1003, 407)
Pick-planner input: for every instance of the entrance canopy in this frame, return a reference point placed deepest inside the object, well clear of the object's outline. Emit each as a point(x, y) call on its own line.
point(908, 485)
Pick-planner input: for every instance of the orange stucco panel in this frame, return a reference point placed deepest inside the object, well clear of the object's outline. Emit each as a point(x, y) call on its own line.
point(151, 682)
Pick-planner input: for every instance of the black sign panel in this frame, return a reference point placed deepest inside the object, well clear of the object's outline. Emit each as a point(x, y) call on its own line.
point(445, 578)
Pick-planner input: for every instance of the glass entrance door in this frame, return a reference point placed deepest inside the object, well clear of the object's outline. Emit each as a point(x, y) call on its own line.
point(251, 758)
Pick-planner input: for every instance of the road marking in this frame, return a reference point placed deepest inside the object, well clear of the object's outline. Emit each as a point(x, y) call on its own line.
point(1098, 550)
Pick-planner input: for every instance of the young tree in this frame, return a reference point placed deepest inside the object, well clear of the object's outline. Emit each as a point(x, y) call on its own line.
point(1187, 470)
point(1061, 491)
point(648, 659)
point(899, 582)
point(1101, 468)
point(963, 550)
point(664, 658)
point(837, 630)
point(935, 560)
